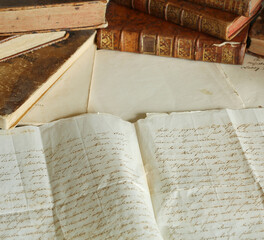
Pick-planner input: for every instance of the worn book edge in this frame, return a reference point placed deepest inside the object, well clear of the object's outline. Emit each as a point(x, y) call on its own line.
point(9, 121)
point(66, 35)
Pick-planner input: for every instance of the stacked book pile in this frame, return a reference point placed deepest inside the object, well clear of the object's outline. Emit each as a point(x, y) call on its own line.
point(191, 175)
point(213, 31)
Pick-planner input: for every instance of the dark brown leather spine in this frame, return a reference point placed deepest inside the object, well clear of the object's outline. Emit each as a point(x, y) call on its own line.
point(132, 31)
point(203, 19)
point(241, 7)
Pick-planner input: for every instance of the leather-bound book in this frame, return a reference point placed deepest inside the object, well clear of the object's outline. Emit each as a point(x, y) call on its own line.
point(26, 78)
point(27, 16)
point(215, 22)
point(133, 31)
point(256, 36)
point(239, 7)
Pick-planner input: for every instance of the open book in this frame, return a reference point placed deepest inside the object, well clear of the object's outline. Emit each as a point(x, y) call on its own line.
point(192, 175)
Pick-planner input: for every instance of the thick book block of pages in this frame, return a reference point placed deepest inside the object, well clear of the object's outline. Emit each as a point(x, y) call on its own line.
point(215, 22)
point(69, 95)
point(13, 46)
point(129, 85)
point(192, 175)
point(239, 7)
point(27, 16)
point(133, 31)
point(25, 79)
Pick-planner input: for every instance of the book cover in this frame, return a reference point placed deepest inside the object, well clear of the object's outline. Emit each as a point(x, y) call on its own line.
point(26, 78)
point(19, 17)
point(215, 22)
point(133, 31)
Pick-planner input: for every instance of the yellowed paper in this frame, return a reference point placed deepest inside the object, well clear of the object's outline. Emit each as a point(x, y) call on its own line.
point(247, 80)
point(129, 85)
point(205, 172)
point(85, 180)
point(26, 202)
point(69, 95)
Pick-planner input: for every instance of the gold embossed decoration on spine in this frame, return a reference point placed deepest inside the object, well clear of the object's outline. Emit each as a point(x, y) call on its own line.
point(165, 46)
point(173, 13)
point(107, 40)
point(213, 27)
point(184, 48)
point(190, 20)
point(209, 53)
point(228, 54)
point(156, 8)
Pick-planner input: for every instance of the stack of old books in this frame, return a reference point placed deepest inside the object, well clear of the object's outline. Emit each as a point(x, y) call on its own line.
point(198, 30)
point(208, 30)
point(183, 175)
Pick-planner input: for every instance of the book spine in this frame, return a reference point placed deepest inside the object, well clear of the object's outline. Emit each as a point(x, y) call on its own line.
point(241, 7)
point(179, 14)
point(182, 46)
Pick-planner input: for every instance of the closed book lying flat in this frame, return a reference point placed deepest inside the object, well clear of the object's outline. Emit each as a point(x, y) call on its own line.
point(133, 31)
point(49, 15)
point(215, 22)
point(239, 7)
point(13, 46)
point(69, 95)
point(256, 36)
point(25, 79)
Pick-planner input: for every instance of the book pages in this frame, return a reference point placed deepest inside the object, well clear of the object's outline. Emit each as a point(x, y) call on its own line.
point(80, 178)
point(206, 173)
point(69, 95)
point(129, 85)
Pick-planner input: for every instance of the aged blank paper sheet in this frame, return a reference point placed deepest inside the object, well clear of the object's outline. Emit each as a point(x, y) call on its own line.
point(80, 178)
point(129, 85)
point(206, 173)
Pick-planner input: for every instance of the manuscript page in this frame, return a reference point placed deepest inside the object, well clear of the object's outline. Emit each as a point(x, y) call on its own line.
point(247, 80)
point(26, 204)
point(206, 173)
point(79, 178)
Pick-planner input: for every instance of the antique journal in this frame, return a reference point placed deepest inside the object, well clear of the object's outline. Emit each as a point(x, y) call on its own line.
point(185, 175)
